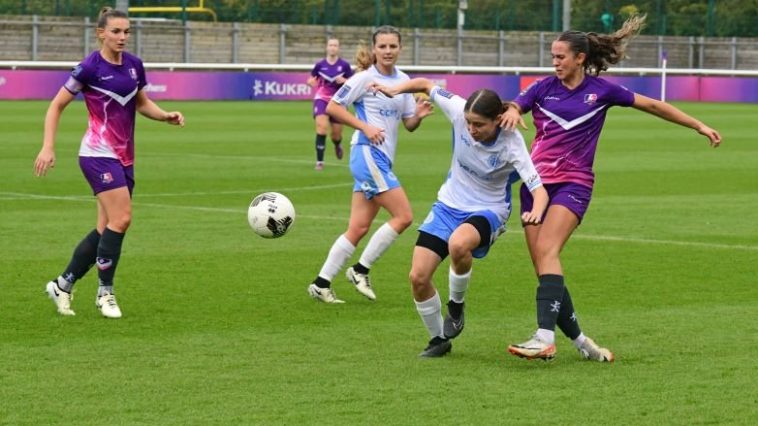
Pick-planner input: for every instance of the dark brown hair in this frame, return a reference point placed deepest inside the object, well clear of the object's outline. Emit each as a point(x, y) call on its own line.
point(602, 50)
point(486, 103)
point(363, 57)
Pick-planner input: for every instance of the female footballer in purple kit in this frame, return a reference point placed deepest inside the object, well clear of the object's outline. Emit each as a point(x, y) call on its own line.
point(569, 112)
point(327, 76)
point(111, 81)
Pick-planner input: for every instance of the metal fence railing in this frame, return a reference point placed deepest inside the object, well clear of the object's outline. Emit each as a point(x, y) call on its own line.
point(39, 38)
point(712, 18)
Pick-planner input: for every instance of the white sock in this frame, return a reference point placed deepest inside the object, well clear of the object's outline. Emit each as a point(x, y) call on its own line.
point(430, 312)
point(458, 285)
point(547, 336)
point(579, 341)
point(338, 255)
point(378, 244)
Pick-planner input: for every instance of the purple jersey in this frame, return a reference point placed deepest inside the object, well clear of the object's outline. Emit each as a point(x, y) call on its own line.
point(568, 124)
point(110, 92)
point(326, 74)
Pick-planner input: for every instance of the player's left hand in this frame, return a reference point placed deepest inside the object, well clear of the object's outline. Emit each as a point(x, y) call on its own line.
point(714, 138)
point(375, 88)
point(175, 118)
point(531, 218)
point(424, 108)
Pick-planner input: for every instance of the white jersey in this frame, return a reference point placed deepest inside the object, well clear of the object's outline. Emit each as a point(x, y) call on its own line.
point(479, 173)
point(377, 110)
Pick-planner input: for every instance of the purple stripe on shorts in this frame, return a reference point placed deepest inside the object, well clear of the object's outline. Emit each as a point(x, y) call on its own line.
point(103, 174)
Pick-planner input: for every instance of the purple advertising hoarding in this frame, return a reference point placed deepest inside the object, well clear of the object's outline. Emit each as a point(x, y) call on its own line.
point(233, 85)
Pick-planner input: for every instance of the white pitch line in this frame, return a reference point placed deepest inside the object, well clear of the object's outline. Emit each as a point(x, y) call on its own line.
point(241, 211)
point(245, 157)
point(246, 191)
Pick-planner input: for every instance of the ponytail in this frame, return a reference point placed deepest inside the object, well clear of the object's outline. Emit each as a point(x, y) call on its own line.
point(363, 57)
point(602, 50)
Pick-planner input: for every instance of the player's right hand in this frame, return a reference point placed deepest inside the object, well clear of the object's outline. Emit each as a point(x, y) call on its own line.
point(510, 119)
point(374, 134)
point(45, 161)
point(378, 88)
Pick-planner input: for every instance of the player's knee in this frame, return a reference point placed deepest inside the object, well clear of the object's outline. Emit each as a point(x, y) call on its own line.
point(458, 249)
point(544, 250)
point(402, 221)
point(120, 222)
point(357, 232)
point(420, 280)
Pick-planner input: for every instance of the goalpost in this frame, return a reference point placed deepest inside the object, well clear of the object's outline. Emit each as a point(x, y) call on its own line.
point(200, 8)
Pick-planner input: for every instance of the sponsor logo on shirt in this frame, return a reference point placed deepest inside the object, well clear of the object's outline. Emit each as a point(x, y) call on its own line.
point(552, 98)
point(590, 98)
point(389, 113)
point(106, 77)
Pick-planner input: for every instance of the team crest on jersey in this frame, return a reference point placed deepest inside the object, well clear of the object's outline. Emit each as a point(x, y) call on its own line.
point(590, 98)
point(106, 178)
point(494, 160)
point(133, 73)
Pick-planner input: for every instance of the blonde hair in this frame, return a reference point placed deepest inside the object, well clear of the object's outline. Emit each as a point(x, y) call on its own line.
point(363, 57)
point(107, 13)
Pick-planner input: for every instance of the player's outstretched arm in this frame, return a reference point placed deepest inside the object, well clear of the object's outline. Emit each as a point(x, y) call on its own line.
point(415, 85)
point(673, 114)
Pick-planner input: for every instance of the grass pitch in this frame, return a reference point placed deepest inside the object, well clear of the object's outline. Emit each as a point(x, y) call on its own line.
point(218, 328)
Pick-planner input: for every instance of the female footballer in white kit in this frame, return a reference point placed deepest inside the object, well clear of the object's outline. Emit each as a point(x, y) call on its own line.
point(372, 153)
point(472, 205)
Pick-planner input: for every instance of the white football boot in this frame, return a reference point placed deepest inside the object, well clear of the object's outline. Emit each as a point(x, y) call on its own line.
point(61, 299)
point(590, 350)
point(362, 283)
point(108, 306)
point(325, 295)
point(533, 348)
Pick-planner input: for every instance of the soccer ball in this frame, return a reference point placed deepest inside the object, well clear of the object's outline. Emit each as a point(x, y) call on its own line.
point(271, 215)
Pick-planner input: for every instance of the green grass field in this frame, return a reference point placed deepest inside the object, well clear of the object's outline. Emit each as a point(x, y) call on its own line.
point(218, 328)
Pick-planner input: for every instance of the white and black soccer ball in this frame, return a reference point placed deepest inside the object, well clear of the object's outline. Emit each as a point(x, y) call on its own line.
point(271, 215)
